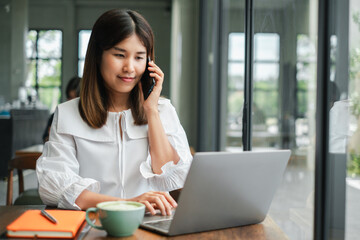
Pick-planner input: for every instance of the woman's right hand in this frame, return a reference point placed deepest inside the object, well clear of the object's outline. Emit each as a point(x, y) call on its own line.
point(157, 200)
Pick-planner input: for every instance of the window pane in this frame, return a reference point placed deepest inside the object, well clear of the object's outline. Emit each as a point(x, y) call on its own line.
point(304, 71)
point(236, 46)
point(305, 49)
point(265, 105)
point(31, 44)
point(49, 44)
point(351, 134)
point(236, 76)
point(266, 71)
point(84, 36)
point(50, 97)
point(234, 125)
point(81, 68)
point(49, 73)
point(266, 47)
point(235, 80)
point(44, 53)
point(275, 119)
point(31, 73)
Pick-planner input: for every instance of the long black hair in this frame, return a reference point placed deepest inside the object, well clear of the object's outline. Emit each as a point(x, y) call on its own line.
point(111, 28)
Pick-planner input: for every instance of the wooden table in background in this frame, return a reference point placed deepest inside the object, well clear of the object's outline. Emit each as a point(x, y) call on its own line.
point(35, 150)
point(267, 230)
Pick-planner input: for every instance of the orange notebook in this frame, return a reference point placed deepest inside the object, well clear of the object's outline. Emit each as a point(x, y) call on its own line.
point(31, 223)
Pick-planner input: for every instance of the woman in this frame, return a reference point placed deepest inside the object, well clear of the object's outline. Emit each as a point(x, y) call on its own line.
point(111, 144)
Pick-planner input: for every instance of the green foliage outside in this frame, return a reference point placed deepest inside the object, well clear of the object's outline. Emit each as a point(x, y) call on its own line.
point(235, 103)
point(44, 65)
point(266, 98)
point(302, 97)
point(354, 163)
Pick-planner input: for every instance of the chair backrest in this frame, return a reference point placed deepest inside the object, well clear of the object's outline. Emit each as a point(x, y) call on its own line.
point(27, 161)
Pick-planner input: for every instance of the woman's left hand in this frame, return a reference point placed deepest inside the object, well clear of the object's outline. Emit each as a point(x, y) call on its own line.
point(151, 103)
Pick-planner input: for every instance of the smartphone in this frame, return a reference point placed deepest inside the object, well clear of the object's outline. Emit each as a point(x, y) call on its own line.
point(147, 82)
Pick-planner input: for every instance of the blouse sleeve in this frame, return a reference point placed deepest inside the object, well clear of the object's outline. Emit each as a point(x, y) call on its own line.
point(58, 171)
point(173, 175)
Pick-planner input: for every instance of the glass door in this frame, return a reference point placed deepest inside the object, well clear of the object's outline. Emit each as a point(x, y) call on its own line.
point(283, 65)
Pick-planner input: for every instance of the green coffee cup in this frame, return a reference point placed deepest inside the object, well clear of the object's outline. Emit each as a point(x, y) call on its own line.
point(118, 218)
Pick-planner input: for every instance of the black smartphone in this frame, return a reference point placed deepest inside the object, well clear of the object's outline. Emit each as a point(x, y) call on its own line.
point(147, 82)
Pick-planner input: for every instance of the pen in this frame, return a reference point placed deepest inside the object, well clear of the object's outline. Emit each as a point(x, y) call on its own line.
point(48, 216)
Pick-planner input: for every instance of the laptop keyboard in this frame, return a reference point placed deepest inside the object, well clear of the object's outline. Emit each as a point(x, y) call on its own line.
point(165, 224)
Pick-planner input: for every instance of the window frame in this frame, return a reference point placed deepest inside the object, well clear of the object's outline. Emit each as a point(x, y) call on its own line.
point(37, 85)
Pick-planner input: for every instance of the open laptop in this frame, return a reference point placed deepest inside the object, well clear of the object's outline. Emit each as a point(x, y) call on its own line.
point(224, 190)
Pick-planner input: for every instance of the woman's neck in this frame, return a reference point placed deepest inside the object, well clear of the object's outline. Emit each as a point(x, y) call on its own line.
point(118, 103)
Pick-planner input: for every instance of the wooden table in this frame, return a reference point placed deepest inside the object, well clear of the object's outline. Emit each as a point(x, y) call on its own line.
point(35, 150)
point(265, 230)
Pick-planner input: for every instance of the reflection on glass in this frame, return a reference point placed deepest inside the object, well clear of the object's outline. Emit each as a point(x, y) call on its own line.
point(352, 230)
point(266, 47)
point(235, 96)
point(236, 75)
point(284, 97)
point(266, 74)
point(283, 109)
point(305, 49)
point(266, 71)
point(265, 108)
point(305, 75)
point(236, 46)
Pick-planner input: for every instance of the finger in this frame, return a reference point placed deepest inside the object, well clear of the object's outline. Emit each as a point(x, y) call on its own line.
point(154, 68)
point(166, 198)
point(166, 204)
point(149, 207)
point(170, 199)
point(158, 78)
point(157, 72)
point(160, 205)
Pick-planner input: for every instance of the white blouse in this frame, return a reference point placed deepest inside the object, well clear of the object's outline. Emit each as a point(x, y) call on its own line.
point(78, 157)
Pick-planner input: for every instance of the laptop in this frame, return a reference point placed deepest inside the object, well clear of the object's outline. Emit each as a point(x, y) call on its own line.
point(223, 190)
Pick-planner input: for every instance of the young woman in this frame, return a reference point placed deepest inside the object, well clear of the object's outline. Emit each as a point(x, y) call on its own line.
point(111, 143)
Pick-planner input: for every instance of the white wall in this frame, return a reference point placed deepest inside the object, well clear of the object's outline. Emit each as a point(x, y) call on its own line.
point(13, 29)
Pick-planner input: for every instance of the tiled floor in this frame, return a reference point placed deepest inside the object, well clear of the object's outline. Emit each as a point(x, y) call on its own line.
point(291, 208)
